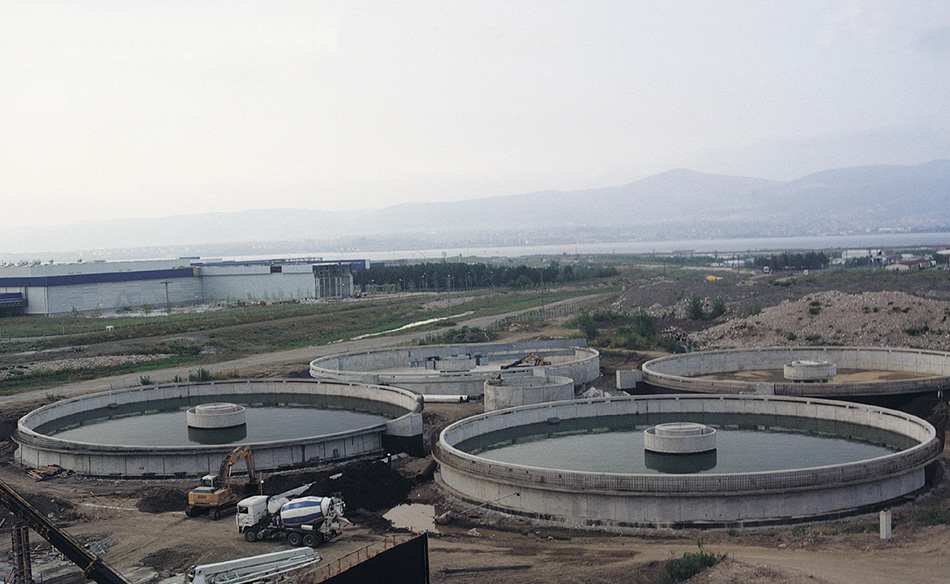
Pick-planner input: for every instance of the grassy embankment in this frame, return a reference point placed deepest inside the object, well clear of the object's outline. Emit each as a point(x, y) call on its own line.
point(235, 332)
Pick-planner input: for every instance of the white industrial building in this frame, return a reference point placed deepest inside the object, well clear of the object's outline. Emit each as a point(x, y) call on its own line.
point(49, 289)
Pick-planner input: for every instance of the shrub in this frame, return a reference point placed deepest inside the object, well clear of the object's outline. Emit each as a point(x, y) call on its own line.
point(145, 380)
point(718, 309)
point(586, 324)
point(694, 308)
point(201, 375)
point(917, 330)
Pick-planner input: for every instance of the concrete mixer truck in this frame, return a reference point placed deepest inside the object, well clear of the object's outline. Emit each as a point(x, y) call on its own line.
point(307, 521)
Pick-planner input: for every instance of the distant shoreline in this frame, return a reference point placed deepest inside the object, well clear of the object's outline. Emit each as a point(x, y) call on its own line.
point(940, 240)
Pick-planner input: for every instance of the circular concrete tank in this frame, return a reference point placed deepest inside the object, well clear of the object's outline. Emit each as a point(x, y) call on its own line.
point(459, 369)
point(679, 438)
point(674, 500)
point(810, 371)
point(400, 429)
point(908, 371)
point(507, 392)
point(216, 415)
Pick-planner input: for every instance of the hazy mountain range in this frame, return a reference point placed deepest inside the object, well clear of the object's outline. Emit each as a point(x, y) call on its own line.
point(674, 204)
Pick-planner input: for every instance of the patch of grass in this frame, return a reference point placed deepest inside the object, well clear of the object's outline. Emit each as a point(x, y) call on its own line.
point(692, 563)
point(460, 336)
point(786, 283)
point(926, 516)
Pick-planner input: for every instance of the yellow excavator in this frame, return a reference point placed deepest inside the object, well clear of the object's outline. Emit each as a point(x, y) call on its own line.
point(214, 495)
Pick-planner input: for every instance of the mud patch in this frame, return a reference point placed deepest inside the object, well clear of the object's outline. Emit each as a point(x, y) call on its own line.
point(373, 521)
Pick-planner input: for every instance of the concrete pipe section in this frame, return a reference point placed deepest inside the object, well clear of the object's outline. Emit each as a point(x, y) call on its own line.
point(829, 372)
point(461, 369)
point(290, 423)
point(777, 459)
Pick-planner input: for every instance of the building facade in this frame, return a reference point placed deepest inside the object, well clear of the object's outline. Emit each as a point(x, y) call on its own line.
point(51, 289)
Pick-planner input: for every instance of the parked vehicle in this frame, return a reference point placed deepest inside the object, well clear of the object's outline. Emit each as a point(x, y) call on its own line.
point(307, 521)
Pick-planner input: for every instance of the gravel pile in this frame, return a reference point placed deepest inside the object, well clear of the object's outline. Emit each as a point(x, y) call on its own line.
point(892, 319)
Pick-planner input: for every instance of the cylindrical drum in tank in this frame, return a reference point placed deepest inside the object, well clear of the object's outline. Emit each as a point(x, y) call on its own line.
point(679, 438)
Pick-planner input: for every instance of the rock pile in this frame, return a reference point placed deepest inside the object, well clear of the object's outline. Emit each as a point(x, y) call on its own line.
point(892, 319)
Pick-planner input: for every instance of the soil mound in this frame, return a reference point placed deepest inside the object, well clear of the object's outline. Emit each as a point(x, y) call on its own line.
point(162, 499)
point(370, 485)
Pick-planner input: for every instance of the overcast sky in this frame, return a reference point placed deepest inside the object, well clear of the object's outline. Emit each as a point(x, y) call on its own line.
point(137, 109)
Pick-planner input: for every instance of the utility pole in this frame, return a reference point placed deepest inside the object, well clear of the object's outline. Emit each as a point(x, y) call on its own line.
point(168, 304)
point(542, 294)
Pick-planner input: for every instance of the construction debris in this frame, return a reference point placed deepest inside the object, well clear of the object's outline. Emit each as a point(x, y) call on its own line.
point(44, 473)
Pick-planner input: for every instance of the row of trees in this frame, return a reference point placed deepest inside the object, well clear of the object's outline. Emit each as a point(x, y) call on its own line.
point(793, 261)
point(455, 276)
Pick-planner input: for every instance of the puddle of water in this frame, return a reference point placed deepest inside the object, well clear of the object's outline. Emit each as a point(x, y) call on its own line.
point(414, 516)
point(411, 325)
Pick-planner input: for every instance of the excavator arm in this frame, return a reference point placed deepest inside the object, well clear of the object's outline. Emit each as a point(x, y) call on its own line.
point(92, 566)
point(235, 456)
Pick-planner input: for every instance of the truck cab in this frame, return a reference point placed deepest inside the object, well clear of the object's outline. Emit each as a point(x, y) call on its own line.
point(251, 511)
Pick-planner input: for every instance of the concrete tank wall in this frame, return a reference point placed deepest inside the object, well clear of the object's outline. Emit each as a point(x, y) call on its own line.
point(130, 461)
point(679, 372)
point(580, 363)
point(522, 391)
point(591, 498)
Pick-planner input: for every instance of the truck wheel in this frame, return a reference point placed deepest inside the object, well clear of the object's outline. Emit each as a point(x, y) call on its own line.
point(310, 541)
point(215, 514)
point(250, 535)
point(294, 539)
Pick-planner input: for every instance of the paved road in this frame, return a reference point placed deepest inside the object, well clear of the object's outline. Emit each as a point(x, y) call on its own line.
point(301, 356)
